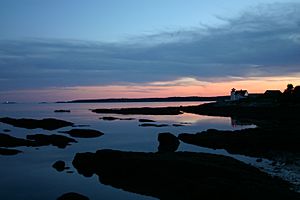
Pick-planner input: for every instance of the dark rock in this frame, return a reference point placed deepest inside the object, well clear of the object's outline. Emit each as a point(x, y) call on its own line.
point(259, 160)
point(177, 125)
point(109, 118)
point(35, 140)
point(70, 172)
point(6, 130)
point(59, 141)
point(83, 133)
point(59, 165)
point(167, 142)
point(255, 142)
point(115, 118)
point(129, 118)
point(182, 175)
point(72, 196)
point(10, 141)
point(153, 125)
point(142, 111)
point(146, 120)
point(62, 111)
point(47, 124)
point(9, 152)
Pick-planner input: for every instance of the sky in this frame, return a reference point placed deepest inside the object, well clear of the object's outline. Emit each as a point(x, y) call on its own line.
point(53, 50)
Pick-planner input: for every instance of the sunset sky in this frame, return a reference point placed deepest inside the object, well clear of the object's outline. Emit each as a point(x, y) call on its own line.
point(53, 50)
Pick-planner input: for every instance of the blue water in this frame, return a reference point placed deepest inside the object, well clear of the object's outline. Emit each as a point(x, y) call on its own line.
point(30, 175)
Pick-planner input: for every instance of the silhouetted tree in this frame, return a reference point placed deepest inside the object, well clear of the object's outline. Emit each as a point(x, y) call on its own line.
point(287, 94)
point(296, 93)
point(289, 89)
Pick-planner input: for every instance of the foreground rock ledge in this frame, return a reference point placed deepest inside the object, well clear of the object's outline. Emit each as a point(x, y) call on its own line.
point(181, 175)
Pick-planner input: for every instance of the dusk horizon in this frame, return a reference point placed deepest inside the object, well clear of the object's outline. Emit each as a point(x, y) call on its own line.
point(154, 51)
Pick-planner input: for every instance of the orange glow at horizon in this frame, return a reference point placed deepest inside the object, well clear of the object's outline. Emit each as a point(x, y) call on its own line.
point(180, 87)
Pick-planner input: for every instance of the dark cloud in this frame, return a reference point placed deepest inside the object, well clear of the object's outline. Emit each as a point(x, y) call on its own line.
point(263, 41)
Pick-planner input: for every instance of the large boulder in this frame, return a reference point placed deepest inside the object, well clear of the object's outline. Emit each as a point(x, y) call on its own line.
point(167, 142)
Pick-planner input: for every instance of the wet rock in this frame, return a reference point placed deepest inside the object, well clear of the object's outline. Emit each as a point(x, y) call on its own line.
point(6, 130)
point(47, 124)
point(259, 160)
point(153, 125)
point(146, 120)
point(62, 111)
point(181, 175)
point(72, 196)
point(59, 165)
point(83, 133)
point(167, 142)
point(9, 152)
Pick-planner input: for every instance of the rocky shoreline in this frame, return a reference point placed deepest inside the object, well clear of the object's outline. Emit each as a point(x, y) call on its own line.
point(181, 175)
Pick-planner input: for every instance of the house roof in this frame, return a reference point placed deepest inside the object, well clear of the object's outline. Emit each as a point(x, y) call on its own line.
point(273, 92)
point(241, 92)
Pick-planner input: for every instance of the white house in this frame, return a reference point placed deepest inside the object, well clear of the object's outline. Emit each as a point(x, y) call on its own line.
point(236, 95)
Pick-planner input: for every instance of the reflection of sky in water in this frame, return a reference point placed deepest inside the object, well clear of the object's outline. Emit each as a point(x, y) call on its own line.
point(31, 174)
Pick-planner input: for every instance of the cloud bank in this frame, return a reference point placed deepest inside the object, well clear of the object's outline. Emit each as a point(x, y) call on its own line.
point(262, 41)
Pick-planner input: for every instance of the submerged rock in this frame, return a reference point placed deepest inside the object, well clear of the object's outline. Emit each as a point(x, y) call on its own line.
point(9, 152)
point(72, 196)
point(47, 124)
point(83, 133)
point(167, 142)
point(35, 140)
point(59, 141)
point(181, 175)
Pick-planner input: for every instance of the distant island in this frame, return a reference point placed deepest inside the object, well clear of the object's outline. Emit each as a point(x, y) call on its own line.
point(128, 100)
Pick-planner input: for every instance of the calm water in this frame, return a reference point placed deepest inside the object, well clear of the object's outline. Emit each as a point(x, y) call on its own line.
point(30, 176)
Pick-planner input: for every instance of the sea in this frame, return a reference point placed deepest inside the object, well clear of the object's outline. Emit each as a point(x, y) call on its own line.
point(30, 175)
